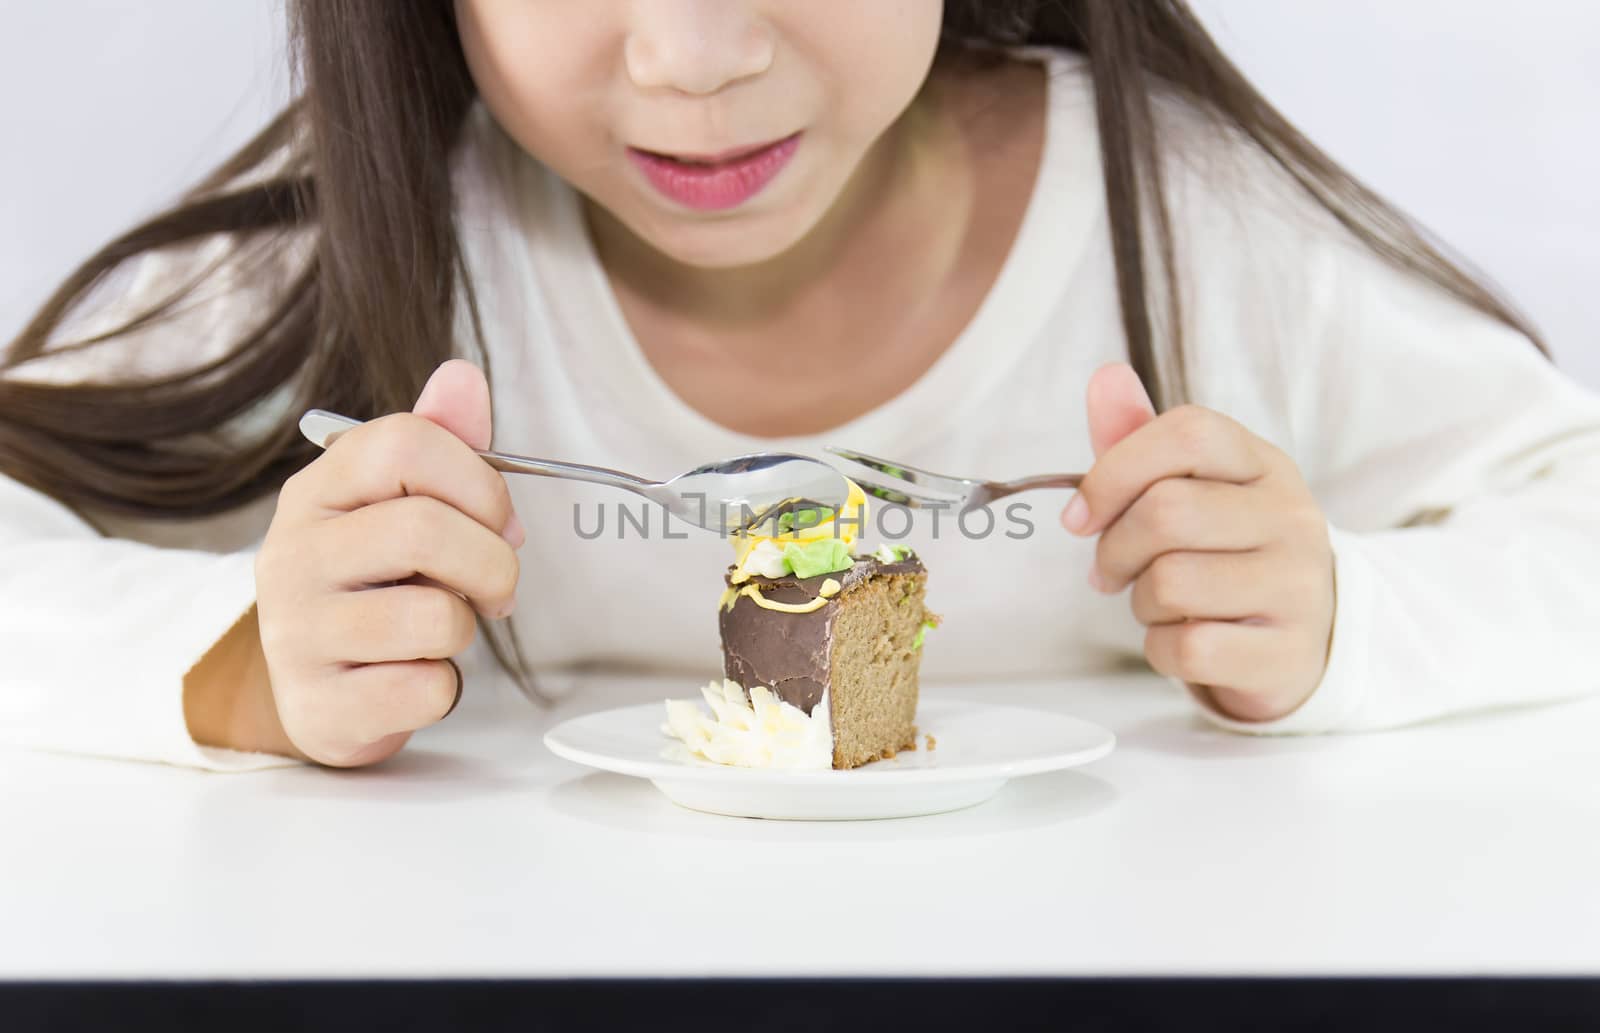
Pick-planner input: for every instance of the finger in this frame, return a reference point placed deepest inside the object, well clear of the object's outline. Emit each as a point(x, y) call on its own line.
point(404, 622)
point(394, 457)
point(1227, 586)
point(1242, 657)
point(367, 704)
point(456, 397)
point(1187, 442)
point(417, 535)
point(360, 756)
point(1118, 405)
point(1179, 513)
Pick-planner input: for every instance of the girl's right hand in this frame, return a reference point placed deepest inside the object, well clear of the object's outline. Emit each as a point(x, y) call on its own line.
point(378, 556)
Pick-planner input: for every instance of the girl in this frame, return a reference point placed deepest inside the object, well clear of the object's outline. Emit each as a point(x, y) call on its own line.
point(676, 230)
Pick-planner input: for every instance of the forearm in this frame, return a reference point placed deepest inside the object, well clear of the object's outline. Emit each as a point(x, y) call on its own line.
point(99, 634)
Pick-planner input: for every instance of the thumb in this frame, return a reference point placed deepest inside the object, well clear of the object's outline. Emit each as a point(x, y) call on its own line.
point(1118, 405)
point(456, 397)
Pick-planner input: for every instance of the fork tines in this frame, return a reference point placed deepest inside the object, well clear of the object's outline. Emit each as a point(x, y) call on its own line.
point(903, 475)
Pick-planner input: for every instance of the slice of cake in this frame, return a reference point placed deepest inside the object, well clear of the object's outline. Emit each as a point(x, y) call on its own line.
point(846, 641)
point(820, 646)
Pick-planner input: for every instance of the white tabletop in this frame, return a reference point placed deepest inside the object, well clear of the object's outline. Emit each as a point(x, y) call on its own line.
point(1469, 846)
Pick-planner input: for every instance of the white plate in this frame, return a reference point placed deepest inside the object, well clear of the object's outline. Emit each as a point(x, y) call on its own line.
point(978, 748)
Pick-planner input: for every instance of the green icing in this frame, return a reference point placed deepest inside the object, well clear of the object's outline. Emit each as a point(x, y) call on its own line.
point(800, 519)
point(823, 556)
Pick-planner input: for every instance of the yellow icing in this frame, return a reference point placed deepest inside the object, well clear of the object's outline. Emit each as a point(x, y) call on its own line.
point(846, 525)
point(753, 593)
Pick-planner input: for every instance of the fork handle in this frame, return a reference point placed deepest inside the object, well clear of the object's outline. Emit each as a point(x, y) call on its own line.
point(1044, 480)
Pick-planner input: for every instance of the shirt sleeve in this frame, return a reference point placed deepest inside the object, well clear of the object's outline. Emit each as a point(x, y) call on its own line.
point(1460, 473)
point(97, 634)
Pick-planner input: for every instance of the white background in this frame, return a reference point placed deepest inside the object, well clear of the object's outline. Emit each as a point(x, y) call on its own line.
point(1477, 116)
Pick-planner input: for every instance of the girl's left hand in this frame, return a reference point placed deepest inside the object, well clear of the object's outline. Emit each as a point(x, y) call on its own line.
point(1225, 547)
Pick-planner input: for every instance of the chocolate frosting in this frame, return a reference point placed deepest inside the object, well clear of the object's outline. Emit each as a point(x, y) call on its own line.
point(791, 651)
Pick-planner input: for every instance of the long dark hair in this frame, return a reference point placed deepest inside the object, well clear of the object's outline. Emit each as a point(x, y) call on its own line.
point(360, 160)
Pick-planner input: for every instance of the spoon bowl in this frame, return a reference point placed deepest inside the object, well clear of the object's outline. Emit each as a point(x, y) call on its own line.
point(740, 492)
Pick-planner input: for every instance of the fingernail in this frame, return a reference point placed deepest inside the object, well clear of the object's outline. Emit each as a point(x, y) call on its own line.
point(1076, 518)
point(514, 533)
point(1096, 582)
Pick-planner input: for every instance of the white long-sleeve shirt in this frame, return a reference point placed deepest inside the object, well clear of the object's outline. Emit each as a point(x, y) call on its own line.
point(1458, 469)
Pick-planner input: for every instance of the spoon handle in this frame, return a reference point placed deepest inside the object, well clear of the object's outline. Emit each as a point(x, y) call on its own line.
point(322, 428)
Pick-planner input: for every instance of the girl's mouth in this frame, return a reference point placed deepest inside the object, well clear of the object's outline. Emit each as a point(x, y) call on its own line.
point(715, 182)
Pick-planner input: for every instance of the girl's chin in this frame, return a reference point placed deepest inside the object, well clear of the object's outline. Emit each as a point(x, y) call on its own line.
point(728, 242)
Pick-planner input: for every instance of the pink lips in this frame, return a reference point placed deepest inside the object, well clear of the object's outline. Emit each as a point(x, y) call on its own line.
point(719, 182)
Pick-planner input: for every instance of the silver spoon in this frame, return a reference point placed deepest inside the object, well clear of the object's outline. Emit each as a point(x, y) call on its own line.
point(725, 497)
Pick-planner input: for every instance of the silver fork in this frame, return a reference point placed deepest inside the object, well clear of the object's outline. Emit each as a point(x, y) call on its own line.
point(965, 493)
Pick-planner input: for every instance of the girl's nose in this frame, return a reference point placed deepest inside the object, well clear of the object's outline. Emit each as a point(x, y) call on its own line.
point(695, 46)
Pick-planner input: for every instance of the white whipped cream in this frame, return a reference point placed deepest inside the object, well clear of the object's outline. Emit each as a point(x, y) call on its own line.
point(755, 731)
point(765, 559)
